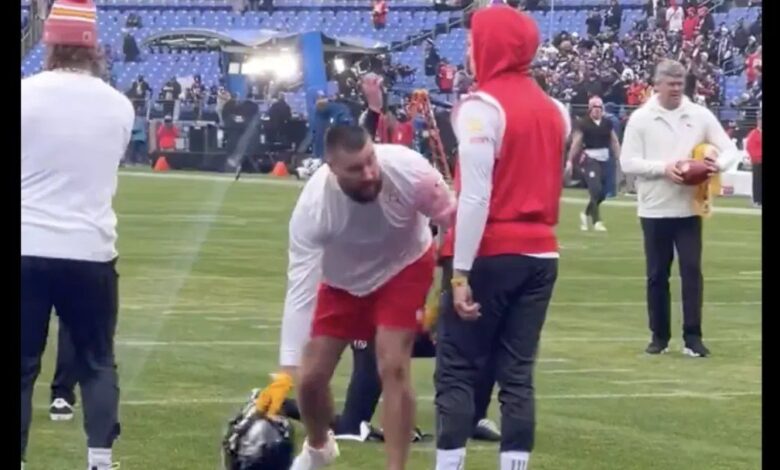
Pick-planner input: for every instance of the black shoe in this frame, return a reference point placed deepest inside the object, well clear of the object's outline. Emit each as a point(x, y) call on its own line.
point(657, 346)
point(60, 410)
point(695, 348)
point(486, 430)
point(419, 436)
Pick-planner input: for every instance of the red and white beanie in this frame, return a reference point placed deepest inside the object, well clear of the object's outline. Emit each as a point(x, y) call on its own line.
point(71, 23)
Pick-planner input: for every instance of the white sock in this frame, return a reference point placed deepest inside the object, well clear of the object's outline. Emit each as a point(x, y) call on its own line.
point(454, 459)
point(515, 460)
point(100, 458)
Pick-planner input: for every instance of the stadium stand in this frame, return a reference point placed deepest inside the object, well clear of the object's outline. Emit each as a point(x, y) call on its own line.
point(335, 17)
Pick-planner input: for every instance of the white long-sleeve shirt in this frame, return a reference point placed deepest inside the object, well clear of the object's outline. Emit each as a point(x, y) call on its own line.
point(654, 138)
point(75, 130)
point(479, 124)
point(358, 247)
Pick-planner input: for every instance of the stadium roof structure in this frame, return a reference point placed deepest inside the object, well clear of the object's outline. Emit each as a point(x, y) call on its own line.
point(247, 40)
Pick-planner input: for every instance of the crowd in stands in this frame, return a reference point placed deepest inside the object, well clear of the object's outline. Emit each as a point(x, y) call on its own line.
point(610, 53)
point(619, 67)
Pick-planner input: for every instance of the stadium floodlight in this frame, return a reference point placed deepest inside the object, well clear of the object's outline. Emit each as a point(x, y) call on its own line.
point(339, 65)
point(283, 66)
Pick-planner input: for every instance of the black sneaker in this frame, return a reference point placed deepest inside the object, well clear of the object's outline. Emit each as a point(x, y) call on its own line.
point(419, 436)
point(657, 346)
point(695, 348)
point(60, 410)
point(486, 430)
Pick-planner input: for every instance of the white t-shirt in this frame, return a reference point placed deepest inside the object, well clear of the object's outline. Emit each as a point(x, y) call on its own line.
point(674, 18)
point(75, 130)
point(358, 247)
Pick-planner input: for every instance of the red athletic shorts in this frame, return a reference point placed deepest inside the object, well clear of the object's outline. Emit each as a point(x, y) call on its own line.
point(340, 314)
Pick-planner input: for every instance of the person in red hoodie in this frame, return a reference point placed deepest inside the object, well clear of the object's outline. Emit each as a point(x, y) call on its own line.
point(512, 139)
point(754, 151)
point(690, 24)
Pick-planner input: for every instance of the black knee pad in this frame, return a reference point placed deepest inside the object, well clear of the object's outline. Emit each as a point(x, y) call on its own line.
point(453, 430)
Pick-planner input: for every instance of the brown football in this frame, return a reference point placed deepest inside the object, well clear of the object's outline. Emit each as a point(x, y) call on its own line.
point(694, 172)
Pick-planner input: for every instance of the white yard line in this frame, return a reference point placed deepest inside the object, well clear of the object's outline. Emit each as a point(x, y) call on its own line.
point(586, 371)
point(683, 394)
point(183, 308)
point(615, 278)
point(141, 343)
point(295, 183)
point(646, 381)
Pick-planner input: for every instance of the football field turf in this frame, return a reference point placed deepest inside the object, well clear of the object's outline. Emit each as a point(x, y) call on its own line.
point(202, 265)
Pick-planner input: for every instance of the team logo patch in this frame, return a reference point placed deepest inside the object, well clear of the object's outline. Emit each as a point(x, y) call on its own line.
point(474, 125)
point(479, 140)
point(359, 345)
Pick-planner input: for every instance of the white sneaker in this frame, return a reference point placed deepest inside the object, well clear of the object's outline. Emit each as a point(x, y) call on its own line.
point(584, 222)
point(599, 226)
point(313, 459)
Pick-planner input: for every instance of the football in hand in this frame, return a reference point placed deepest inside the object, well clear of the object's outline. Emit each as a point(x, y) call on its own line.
point(694, 172)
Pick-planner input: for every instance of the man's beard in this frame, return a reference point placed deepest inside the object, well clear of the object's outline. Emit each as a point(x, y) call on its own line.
point(365, 195)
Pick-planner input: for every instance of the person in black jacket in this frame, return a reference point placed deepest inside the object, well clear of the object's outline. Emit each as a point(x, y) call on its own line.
point(432, 59)
point(614, 15)
point(279, 116)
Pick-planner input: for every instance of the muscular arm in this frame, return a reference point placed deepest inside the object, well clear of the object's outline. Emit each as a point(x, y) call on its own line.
point(433, 198)
point(303, 275)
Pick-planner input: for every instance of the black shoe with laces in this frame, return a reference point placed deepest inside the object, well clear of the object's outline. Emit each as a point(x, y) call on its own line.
point(657, 346)
point(695, 348)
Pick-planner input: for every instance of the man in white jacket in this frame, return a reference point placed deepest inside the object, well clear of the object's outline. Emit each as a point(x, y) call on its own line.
point(660, 134)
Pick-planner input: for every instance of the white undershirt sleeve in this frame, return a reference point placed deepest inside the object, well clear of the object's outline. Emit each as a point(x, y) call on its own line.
point(478, 128)
point(303, 276)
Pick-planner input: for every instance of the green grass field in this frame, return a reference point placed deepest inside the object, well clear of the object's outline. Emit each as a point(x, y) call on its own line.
point(202, 269)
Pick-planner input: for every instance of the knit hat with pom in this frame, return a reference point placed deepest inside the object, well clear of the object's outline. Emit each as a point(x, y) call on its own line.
point(71, 23)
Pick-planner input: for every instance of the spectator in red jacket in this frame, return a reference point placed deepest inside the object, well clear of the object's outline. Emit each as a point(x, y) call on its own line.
point(392, 130)
point(379, 14)
point(752, 66)
point(753, 147)
point(446, 77)
point(167, 135)
point(690, 24)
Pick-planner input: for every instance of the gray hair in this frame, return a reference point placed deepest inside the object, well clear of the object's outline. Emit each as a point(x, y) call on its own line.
point(668, 68)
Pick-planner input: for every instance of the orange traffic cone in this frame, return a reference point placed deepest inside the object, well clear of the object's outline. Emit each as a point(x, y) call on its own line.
point(161, 164)
point(280, 170)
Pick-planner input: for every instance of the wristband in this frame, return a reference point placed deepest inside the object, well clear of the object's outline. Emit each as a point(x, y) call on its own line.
point(459, 281)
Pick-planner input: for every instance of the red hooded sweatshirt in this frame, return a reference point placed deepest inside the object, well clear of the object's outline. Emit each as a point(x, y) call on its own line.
point(527, 176)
